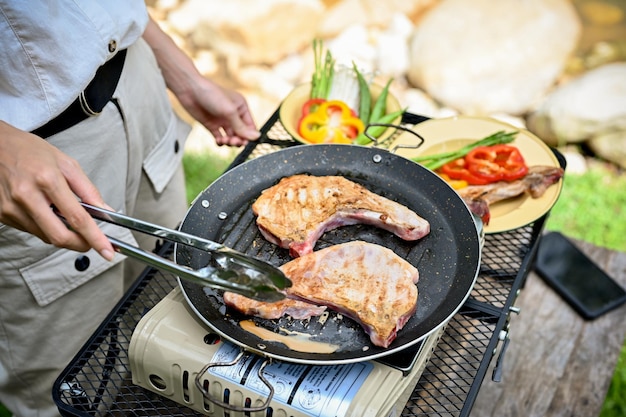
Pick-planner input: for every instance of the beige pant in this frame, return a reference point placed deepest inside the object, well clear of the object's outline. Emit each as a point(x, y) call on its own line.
point(48, 307)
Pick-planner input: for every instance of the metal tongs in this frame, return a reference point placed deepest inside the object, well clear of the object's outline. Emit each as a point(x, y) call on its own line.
point(234, 271)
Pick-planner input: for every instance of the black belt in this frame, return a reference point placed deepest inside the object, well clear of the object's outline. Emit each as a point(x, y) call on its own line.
point(91, 101)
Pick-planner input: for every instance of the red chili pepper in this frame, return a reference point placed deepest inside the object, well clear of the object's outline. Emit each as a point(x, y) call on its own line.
point(496, 163)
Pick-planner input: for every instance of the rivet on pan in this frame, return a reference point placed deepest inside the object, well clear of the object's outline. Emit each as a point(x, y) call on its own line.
point(205, 203)
point(222, 215)
point(377, 158)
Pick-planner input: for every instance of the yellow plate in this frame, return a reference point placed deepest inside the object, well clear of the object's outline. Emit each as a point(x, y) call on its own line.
point(291, 109)
point(442, 135)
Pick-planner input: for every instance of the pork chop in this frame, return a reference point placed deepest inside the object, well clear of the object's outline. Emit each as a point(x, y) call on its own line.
point(294, 213)
point(535, 183)
point(369, 283)
point(297, 309)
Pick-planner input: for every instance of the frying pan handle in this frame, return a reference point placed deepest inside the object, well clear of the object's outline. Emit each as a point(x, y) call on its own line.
point(376, 141)
point(231, 407)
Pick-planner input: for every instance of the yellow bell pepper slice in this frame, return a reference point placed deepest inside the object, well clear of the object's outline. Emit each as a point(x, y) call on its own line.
point(331, 122)
point(455, 184)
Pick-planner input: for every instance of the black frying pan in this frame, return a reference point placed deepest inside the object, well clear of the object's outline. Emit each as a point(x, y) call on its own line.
point(448, 259)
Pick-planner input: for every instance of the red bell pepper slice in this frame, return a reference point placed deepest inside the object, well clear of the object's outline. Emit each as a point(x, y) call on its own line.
point(496, 163)
point(458, 170)
point(311, 105)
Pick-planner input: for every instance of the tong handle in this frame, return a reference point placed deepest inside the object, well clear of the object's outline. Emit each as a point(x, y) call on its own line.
point(260, 282)
point(151, 229)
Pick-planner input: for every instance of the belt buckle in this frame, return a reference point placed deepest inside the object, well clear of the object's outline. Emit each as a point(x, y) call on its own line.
point(85, 106)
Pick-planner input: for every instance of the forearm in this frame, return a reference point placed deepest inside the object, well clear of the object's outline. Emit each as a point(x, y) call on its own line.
point(178, 69)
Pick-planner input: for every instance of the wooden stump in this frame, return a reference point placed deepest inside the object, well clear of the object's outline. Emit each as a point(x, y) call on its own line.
point(557, 364)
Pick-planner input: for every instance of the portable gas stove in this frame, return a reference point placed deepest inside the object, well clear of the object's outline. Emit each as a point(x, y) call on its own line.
point(170, 345)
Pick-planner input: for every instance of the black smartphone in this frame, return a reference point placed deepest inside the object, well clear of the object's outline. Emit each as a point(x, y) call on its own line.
point(581, 282)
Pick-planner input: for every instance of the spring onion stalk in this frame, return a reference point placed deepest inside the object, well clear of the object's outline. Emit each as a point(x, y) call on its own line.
point(436, 161)
point(322, 77)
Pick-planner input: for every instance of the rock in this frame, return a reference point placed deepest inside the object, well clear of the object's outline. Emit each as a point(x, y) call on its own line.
point(392, 47)
point(292, 68)
point(610, 146)
point(353, 45)
point(514, 121)
point(481, 56)
point(341, 14)
point(591, 105)
point(384, 52)
point(206, 62)
point(264, 80)
point(166, 5)
point(249, 31)
point(418, 102)
point(601, 13)
point(575, 161)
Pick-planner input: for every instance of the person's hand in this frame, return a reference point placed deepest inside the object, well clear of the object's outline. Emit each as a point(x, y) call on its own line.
point(35, 175)
point(222, 111)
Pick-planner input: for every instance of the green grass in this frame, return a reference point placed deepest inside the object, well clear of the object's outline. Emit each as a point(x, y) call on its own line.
point(592, 207)
point(615, 403)
point(200, 171)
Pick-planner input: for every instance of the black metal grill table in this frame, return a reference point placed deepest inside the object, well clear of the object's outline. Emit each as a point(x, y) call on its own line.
point(97, 381)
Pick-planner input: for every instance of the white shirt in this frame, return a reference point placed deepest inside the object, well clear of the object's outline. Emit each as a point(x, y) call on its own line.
point(50, 50)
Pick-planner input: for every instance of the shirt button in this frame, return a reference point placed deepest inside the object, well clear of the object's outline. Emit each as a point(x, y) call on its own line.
point(112, 45)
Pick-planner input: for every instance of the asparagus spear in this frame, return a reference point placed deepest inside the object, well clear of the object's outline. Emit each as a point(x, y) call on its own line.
point(436, 161)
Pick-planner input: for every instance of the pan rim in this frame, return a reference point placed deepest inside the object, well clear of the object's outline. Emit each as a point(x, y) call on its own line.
point(474, 252)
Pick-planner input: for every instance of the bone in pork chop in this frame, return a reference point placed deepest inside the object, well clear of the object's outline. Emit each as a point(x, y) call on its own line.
point(368, 283)
point(479, 197)
point(295, 212)
point(297, 309)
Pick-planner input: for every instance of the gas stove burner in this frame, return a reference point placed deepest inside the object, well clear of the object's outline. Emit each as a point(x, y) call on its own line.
point(170, 346)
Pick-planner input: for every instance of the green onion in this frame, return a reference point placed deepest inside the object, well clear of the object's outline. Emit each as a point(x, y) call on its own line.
point(436, 161)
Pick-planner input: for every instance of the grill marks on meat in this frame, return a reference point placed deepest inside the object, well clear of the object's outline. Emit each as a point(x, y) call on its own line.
point(369, 283)
point(479, 197)
point(366, 282)
point(294, 213)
